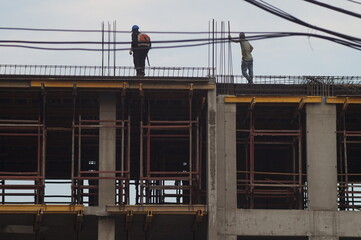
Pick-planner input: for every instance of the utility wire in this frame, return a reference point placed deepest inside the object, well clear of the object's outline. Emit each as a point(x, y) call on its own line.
point(334, 8)
point(94, 31)
point(354, 1)
point(278, 12)
point(261, 35)
point(163, 44)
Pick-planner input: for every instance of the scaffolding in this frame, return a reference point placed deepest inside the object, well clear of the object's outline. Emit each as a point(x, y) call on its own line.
point(270, 168)
point(170, 154)
point(24, 170)
point(85, 156)
point(349, 149)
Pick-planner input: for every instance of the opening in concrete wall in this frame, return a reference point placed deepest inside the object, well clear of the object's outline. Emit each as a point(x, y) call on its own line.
point(50, 141)
point(349, 152)
point(271, 171)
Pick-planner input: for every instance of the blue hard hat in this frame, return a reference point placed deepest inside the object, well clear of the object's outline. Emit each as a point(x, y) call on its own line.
point(135, 27)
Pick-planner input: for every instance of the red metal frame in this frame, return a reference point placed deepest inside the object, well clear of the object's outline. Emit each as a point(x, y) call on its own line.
point(19, 129)
point(120, 176)
point(349, 185)
point(184, 185)
point(252, 185)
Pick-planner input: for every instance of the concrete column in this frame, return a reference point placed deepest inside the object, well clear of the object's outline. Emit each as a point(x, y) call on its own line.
point(106, 228)
point(107, 142)
point(212, 167)
point(107, 149)
point(321, 156)
point(226, 167)
point(322, 169)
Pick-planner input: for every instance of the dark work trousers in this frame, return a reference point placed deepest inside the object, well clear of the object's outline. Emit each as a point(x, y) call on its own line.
point(139, 56)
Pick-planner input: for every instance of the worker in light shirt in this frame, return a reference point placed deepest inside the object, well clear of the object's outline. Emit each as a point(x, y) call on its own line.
point(247, 59)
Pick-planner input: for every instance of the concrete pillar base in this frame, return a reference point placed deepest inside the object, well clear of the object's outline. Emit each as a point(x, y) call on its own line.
point(106, 228)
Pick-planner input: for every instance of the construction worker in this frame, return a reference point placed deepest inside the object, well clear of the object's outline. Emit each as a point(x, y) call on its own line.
point(247, 59)
point(139, 48)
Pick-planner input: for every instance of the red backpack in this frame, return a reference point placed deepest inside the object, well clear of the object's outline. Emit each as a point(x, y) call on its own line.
point(144, 40)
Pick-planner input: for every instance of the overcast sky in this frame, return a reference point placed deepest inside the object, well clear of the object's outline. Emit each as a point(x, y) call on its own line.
point(286, 56)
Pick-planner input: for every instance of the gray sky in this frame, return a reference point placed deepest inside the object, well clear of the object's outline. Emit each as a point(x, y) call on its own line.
point(286, 56)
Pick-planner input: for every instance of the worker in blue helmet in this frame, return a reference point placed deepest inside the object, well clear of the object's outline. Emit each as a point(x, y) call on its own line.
point(135, 27)
point(139, 49)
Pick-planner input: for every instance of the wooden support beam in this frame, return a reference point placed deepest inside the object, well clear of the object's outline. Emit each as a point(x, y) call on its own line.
point(157, 209)
point(31, 209)
point(300, 105)
point(38, 219)
point(148, 221)
point(147, 85)
point(345, 104)
point(129, 220)
point(197, 219)
point(79, 221)
point(343, 100)
point(272, 99)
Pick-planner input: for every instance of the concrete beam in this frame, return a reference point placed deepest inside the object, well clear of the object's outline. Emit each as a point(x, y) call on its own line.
point(315, 224)
point(273, 223)
point(347, 224)
point(158, 209)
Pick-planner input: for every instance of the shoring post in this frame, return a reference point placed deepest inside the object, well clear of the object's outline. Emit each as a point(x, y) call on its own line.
point(80, 180)
point(73, 183)
point(197, 155)
point(251, 153)
point(128, 161)
point(43, 153)
point(128, 224)
point(190, 145)
point(79, 223)
point(148, 156)
point(300, 162)
point(197, 220)
point(37, 222)
point(345, 162)
point(141, 145)
point(148, 221)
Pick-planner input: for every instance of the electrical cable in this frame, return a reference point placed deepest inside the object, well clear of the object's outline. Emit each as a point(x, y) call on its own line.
point(354, 1)
point(278, 12)
point(95, 31)
point(334, 8)
point(198, 42)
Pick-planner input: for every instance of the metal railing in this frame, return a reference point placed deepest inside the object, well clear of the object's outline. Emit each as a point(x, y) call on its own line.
point(99, 71)
point(290, 85)
point(226, 84)
point(349, 195)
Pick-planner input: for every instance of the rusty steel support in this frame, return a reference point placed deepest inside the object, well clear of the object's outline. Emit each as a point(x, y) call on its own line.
point(255, 185)
point(155, 184)
point(251, 158)
point(121, 175)
point(348, 181)
point(35, 129)
point(73, 181)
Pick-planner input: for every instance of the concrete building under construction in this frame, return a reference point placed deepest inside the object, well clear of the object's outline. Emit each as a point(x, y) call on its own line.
point(179, 154)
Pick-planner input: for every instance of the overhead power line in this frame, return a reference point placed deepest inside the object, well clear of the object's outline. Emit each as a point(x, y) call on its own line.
point(280, 13)
point(95, 31)
point(334, 8)
point(165, 44)
point(354, 1)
